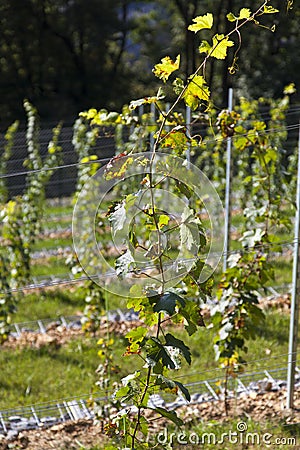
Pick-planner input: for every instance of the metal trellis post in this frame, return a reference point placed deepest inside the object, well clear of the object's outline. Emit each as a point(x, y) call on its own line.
point(228, 190)
point(292, 356)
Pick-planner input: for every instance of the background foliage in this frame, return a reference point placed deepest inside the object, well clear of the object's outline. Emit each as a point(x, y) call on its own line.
point(67, 56)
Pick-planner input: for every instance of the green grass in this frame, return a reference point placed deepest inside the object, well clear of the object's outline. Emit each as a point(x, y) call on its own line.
point(44, 244)
point(31, 376)
point(51, 266)
point(49, 305)
point(65, 207)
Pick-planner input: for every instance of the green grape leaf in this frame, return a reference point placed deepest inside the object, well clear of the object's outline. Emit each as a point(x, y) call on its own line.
point(169, 385)
point(220, 45)
point(122, 392)
point(118, 218)
point(163, 220)
point(171, 415)
point(204, 47)
point(124, 263)
point(231, 17)
point(196, 91)
point(192, 315)
point(189, 229)
point(184, 390)
point(270, 10)
point(156, 353)
point(167, 303)
point(144, 428)
point(165, 384)
point(167, 66)
point(177, 343)
point(136, 335)
point(245, 13)
point(176, 139)
point(178, 86)
point(202, 22)
point(133, 239)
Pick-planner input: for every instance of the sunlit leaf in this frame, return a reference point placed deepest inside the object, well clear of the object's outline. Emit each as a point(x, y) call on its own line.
point(289, 89)
point(231, 17)
point(131, 377)
point(117, 166)
point(146, 100)
point(167, 66)
point(137, 334)
point(204, 47)
point(270, 10)
point(196, 91)
point(245, 13)
point(202, 22)
point(163, 220)
point(176, 139)
point(220, 45)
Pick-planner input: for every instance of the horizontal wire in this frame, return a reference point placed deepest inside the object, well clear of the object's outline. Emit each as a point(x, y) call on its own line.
point(65, 166)
point(28, 172)
point(245, 364)
point(113, 273)
point(53, 403)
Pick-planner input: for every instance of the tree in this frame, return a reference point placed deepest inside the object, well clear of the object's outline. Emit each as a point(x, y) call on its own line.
point(62, 55)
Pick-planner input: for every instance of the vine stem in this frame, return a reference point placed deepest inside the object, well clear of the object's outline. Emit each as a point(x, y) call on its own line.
point(145, 391)
point(154, 215)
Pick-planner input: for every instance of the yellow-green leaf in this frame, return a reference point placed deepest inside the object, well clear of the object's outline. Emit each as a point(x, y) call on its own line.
point(202, 22)
point(204, 47)
point(231, 17)
point(245, 13)
point(220, 45)
point(270, 10)
point(164, 69)
point(196, 91)
point(163, 220)
point(289, 89)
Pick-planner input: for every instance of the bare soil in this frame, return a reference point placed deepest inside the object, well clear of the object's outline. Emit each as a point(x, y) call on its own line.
point(266, 408)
